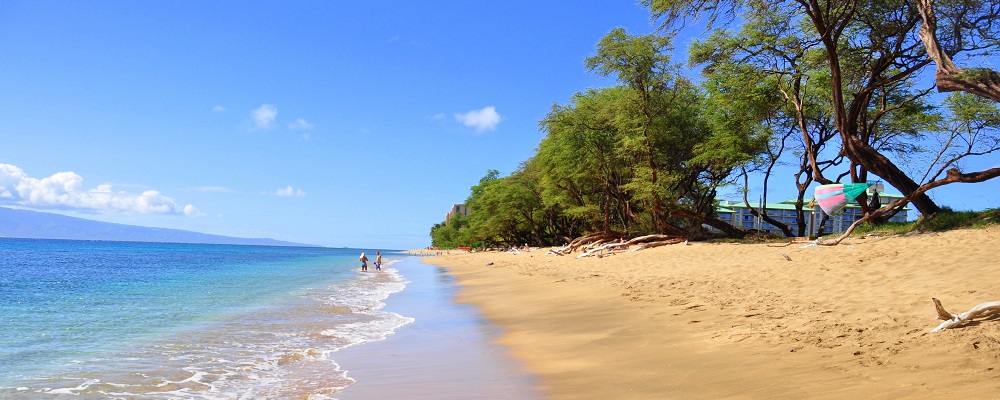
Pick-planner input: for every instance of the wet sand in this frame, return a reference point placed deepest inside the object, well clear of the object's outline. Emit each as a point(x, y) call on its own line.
point(708, 321)
point(448, 352)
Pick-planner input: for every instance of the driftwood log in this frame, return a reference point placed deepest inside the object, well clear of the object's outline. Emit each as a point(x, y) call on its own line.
point(598, 243)
point(654, 239)
point(585, 240)
point(602, 247)
point(642, 242)
point(651, 241)
point(953, 320)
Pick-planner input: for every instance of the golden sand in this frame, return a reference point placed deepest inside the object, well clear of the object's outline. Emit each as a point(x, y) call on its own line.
point(742, 321)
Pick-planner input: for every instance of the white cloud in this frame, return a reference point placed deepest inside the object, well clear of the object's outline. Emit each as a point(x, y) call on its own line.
point(264, 116)
point(191, 211)
point(219, 109)
point(288, 191)
point(64, 190)
point(300, 125)
point(485, 119)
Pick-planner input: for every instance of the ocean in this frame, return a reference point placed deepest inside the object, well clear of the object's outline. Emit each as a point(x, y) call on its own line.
point(93, 319)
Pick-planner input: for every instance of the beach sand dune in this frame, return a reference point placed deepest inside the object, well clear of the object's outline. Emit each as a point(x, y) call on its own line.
point(742, 321)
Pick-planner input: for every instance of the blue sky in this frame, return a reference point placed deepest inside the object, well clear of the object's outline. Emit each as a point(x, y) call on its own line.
point(352, 124)
point(335, 123)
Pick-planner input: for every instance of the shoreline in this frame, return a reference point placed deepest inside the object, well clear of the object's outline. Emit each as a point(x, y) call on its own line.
point(447, 352)
point(430, 252)
point(741, 321)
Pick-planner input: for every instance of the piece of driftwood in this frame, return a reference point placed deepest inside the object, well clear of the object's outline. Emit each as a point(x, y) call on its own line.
point(584, 241)
point(650, 245)
point(847, 233)
point(599, 249)
point(650, 238)
point(641, 242)
point(599, 242)
point(982, 310)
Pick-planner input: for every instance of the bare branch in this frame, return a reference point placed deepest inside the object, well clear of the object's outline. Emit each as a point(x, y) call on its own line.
point(982, 82)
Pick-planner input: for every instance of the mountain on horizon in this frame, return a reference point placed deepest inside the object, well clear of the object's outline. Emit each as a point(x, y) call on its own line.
point(15, 223)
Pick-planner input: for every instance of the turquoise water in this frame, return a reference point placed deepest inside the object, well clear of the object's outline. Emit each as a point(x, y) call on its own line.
point(89, 319)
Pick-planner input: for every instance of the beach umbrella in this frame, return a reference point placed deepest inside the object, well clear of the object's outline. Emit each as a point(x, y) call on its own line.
point(833, 198)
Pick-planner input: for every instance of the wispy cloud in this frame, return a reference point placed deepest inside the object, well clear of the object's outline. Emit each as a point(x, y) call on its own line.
point(219, 109)
point(264, 116)
point(482, 120)
point(218, 189)
point(64, 190)
point(289, 191)
point(300, 125)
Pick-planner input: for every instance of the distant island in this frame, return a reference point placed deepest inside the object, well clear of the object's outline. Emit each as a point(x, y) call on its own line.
point(26, 224)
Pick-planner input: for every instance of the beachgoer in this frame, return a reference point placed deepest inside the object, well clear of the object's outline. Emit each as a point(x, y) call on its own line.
point(364, 262)
point(378, 261)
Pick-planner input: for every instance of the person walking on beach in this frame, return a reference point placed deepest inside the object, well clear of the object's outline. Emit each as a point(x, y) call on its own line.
point(378, 260)
point(364, 262)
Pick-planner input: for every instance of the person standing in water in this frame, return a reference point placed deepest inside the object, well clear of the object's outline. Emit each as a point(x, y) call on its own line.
point(364, 262)
point(378, 260)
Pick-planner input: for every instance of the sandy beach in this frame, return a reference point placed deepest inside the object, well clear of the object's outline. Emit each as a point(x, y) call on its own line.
point(747, 320)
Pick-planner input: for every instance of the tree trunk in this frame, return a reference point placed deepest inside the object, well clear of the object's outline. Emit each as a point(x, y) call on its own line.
point(847, 123)
point(876, 163)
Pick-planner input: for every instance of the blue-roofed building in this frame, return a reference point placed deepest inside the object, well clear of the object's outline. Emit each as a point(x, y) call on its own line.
point(737, 214)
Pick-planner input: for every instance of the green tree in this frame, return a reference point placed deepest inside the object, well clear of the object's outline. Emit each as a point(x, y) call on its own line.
point(872, 56)
point(679, 162)
point(581, 171)
point(450, 234)
point(487, 224)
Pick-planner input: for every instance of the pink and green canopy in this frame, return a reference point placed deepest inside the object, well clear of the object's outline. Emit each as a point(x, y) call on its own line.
point(833, 198)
